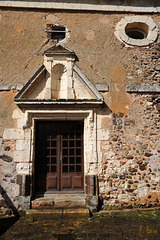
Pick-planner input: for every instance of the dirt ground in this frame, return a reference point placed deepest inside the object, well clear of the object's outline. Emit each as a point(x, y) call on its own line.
point(110, 225)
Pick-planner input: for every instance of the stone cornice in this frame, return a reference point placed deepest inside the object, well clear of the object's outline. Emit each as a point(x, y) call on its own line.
point(143, 88)
point(103, 5)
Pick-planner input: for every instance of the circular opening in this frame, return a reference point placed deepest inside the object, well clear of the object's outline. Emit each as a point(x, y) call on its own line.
point(136, 33)
point(136, 30)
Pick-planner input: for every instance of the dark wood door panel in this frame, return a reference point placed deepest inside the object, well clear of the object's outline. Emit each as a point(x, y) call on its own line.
point(52, 182)
point(78, 182)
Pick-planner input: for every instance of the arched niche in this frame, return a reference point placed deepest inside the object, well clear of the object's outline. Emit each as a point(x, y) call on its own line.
point(58, 81)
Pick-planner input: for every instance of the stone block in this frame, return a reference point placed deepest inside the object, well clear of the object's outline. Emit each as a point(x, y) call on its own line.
point(11, 189)
point(91, 146)
point(153, 36)
point(145, 87)
point(23, 168)
point(151, 24)
point(21, 123)
point(19, 179)
point(142, 190)
point(9, 169)
point(129, 163)
point(12, 134)
point(158, 144)
point(23, 145)
point(21, 156)
point(17, 114)
point(155, 179)
point(114, 164)
point(26, 134)
point(69, 202)
point(0, 142)
point(102, 134)
point(102, 87)
point(70, 94)
point(100, 155)
point(24, 202)
point(109, 155)
point(43, 203)
point(93, 168)
point(7, 87)
point(92, 203)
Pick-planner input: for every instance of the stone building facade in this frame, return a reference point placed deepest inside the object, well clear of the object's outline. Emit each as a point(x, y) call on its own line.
point(80, 102)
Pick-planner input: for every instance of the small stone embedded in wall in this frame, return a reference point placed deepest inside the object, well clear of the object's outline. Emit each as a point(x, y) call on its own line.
point(158, 106)
point(7, 148)
point(129, 157)
point(6, 158)
point(117, 121)
point(126, 122)
point(148, 154)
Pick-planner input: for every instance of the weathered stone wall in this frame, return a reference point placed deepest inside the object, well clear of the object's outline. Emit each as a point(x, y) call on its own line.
point(127, 148)
point(7, 174)
point(91, 37)
point(131, 156)
point(14, 175)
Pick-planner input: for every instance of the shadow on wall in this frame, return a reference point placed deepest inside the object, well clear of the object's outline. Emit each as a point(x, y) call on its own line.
point(7, 222)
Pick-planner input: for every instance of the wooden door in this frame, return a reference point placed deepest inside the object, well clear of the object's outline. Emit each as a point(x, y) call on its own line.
point(59, 156)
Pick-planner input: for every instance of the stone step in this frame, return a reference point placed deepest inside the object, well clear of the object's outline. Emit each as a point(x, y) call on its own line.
point(59, 201)
point(83, 211)
point(42, 203)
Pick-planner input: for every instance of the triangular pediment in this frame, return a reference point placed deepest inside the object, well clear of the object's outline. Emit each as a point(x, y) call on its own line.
point(59, 78)
point(59, 49)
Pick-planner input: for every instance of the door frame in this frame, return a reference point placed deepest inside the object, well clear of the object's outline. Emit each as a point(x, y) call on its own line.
point(59, 174)
point(89, 117)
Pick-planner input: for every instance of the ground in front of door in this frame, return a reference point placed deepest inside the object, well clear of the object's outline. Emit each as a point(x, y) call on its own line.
point(110, 225)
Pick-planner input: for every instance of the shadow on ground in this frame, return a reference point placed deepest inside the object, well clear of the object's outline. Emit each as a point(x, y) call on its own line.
point(105, 225)
point(6, 223)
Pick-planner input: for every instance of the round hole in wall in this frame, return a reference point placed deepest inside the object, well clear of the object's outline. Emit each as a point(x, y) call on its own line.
point(136, 30)
point(136, 33)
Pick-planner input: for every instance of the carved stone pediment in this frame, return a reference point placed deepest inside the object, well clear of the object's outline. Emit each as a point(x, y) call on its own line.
point(58, 80)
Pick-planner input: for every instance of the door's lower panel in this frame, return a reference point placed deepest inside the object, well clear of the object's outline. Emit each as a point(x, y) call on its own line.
point(52, 182)
point(72, 182)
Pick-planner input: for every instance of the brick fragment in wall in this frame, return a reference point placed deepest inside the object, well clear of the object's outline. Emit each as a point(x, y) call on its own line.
point(24, 184)
point(19, 180)
point(91, 184)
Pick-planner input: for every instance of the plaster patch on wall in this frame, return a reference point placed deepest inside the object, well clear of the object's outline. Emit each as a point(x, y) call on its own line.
point(118, 97)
